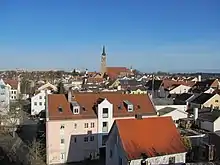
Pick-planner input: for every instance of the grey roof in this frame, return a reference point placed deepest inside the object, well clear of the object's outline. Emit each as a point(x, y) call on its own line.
point(166, 110)
point(163, 101)
point(210, 116)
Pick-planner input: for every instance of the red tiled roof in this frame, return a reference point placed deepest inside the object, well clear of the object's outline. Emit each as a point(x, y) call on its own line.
point(142, 105)
point(114, 72)
point(95, 80)
point(152, 136)
point(12, 83)
point(169, 83)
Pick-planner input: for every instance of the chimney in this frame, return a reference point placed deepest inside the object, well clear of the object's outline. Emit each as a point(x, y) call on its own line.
point(199, 78)
point(69, 95)
point(196, 113)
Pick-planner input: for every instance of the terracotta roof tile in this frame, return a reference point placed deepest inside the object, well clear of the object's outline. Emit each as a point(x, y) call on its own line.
point(114, 72)
point(59, 100)
point(152, 136)
point(170, 83)
point(142, 105)
point(12, 83)
point(95, 80)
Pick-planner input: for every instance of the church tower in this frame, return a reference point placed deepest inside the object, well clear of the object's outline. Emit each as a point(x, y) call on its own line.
point(103, 62)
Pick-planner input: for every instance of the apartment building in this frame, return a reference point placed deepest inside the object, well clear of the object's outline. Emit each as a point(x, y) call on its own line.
point(4, 96)
point(77, 126)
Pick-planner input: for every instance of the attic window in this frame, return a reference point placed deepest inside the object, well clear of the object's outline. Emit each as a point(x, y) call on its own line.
point(84, 109)
point(60, 109)
point(138, 106)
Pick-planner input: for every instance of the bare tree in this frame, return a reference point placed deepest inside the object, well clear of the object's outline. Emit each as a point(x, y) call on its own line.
point(37, 153)
point(11, 118)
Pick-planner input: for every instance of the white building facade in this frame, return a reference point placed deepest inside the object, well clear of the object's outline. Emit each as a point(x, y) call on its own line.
point(4, 96)
point(38, 102)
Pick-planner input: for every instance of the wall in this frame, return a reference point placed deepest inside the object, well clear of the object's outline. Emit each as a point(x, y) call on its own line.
point(38, 98)
point(207, 125)
point(138, 91)
point(114, 145)
point(180, 107)
point(217, 125)
point(13, 94)
point(180, 89)
point(74, 151)
point(176, 115)
point(180, 158)
point(109, 120)
point(4, 96)
point(214, 101)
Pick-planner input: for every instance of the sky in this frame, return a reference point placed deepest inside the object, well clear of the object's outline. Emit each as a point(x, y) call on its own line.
point(149, 35)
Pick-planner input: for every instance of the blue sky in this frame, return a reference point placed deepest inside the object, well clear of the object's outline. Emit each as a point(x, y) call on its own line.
point(151, 35)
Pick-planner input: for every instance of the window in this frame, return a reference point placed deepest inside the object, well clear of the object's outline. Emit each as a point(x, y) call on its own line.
point(76, 110)
point(44, 97)
point(104, 124)
point(86, 125)
point(75, 125)
point(92, 125)
point(216, 101)
point(40, 97)
point(35, 103)
point(105, 112)
point(172, 160)
point(62, 126)
point(86, 139)
point(110, 153)
point(15, 92)
point(62, 156)
point(62, 141)
point(40, 103)
point(75, 139)
point(92, 138)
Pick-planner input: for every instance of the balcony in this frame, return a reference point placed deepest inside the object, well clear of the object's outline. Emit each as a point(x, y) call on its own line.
point(105, 115)
point(104, 129)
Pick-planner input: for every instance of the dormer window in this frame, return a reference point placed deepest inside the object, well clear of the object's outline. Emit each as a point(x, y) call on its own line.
point(60, 109)
point(129, 106)
point(76, 110)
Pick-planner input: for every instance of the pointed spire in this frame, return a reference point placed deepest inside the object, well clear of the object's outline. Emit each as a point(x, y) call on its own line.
point(103, 51)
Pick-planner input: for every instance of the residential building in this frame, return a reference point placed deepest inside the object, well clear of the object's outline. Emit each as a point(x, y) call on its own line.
point(4, 96)
point(38, 102)
point(209, 121)
point(14, 88)
point(78, 125)
point(179, 89)
point(145, 141)
point(47, 86)
point(206, 100)
point(175, 113)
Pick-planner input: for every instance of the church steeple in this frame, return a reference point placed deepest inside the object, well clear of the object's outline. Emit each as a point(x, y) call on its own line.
point(103, 62)
point(103, 51)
